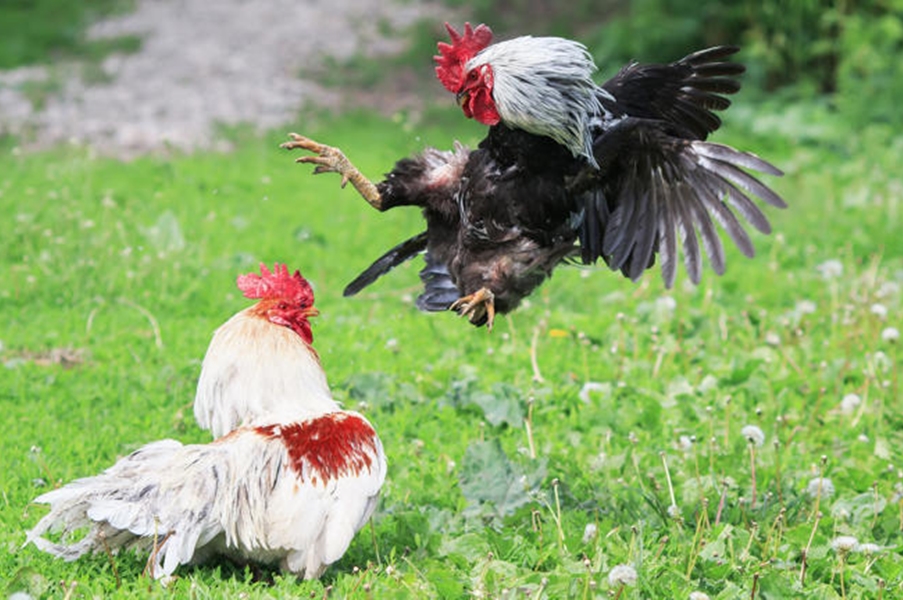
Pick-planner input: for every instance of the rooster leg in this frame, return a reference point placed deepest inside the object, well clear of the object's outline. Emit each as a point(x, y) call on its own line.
point(478, 305)
point(333, 160)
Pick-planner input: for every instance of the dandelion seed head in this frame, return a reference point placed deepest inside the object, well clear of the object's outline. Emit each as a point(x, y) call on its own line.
point(754, 435)
point(592, 386)
point(772, 339)
point(890, 334)
point(666, 303)
point(844, 543)
point(673, 511)
point(685, 443)
point(888, 288)
point(868, 548)
point(806, 307)
point(850, 403)
point(622, 575)
point(830, 269)
point(879, 310)
point(820, 483)
point(881, 360)
point(841, 513)
point(590, 532)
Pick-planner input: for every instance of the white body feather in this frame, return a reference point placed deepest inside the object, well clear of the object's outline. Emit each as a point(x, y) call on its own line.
point(238, 496)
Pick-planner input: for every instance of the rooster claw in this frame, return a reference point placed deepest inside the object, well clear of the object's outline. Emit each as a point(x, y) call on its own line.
point(305, 143)
point(480, 306)
point(327, 159)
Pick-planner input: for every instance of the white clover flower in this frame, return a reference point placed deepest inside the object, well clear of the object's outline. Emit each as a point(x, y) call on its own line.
point(890, 334)
point(805, 307)
point(622, 575)
point(590, 532)
point(868, 548)
point(830, 269)
point(753, 435)
point(844, 543)
point(822, 484)
point(850, 403)
point(685, 443)
point(392, 345)
point(879, 310)
point(699, 596)
point(772, 339)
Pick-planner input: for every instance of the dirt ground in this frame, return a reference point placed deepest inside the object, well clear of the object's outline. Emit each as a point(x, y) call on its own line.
point(201, 64)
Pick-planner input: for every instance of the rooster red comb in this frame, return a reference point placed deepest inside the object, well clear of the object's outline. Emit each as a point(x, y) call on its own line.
point(276, 284)
point(453, 57)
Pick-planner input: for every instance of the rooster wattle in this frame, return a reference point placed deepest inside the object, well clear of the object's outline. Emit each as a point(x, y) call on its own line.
point(569, 170)
point(289, 480)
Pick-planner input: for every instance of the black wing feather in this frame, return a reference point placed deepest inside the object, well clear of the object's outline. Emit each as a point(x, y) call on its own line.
point(406, 250)
point(682, 93)
point(657, 187)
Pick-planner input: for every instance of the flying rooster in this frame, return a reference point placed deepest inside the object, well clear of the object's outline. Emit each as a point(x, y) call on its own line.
point(569, 170)
point(289, 480)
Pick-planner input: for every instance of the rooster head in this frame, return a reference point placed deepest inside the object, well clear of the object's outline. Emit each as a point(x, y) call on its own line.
point(285, 299)
point(542, 85)
point(473, 87)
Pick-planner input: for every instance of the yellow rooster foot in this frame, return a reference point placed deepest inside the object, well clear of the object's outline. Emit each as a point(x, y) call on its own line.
point(479, 306)
point(332, 160)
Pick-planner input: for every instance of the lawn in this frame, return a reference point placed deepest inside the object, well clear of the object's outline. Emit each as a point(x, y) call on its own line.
point(723, 439)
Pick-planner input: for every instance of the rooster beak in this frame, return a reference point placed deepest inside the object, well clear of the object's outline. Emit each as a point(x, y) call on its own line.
point(311, 312)
point(462, 97)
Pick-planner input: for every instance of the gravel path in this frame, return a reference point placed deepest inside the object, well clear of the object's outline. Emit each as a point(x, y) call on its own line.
point(202, 63)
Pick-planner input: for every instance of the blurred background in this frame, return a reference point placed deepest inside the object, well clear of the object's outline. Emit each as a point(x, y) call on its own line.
point(125, 74)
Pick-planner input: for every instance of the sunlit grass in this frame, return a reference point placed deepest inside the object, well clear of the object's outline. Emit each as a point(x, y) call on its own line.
point(524, 463)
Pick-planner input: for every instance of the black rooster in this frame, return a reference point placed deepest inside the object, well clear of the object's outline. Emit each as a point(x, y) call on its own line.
point(568, 170)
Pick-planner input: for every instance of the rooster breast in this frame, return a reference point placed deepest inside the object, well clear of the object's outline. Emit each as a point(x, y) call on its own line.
point(517, 216)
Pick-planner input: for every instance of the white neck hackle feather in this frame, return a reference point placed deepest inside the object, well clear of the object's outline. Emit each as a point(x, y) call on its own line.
point(258, 372)
point(544, 86)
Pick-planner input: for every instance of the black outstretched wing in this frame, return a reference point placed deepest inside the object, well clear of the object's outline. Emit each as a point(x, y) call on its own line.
point(655, 186)
point(406, 250)
point(683, 93)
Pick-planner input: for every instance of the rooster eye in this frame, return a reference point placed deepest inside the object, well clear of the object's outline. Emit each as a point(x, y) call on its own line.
point(472, 75)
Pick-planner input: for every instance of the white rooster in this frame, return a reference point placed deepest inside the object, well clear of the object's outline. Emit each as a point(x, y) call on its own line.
point(289, 480)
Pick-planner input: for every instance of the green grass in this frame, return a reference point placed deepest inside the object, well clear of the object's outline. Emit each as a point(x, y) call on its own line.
point(493, 475)
point(38, 31)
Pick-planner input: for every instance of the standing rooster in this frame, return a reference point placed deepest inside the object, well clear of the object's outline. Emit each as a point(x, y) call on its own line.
point(289, 480)
point(568, 169)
